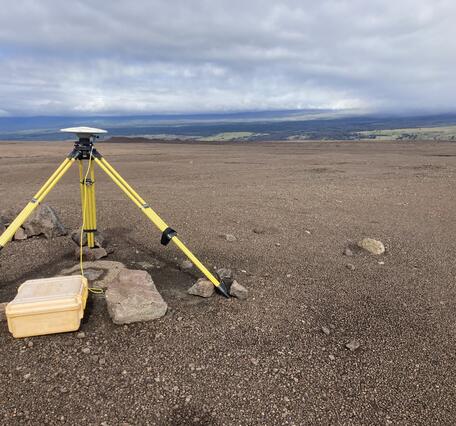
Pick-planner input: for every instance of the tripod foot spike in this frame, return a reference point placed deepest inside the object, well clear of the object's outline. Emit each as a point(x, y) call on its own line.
point(223, 289)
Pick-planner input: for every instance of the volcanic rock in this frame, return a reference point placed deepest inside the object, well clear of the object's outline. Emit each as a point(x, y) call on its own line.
point(225, 273)
point(353, 345)
point(202, 288)
point(372, 246)
point(107, 271)
point(76, 237)
point(238, 291)
point(133, 297)
point(44, 221)
point(20, 235)
point(91, 254)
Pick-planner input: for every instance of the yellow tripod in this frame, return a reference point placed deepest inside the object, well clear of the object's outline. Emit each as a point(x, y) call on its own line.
point(84, 150)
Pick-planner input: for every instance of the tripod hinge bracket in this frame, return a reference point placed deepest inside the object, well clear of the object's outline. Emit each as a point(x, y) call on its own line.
point(87, 182)
point(168, 235)
point(34, 200)
point(90, 231)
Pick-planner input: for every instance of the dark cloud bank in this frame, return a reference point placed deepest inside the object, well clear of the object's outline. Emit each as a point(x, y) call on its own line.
point(119, 57)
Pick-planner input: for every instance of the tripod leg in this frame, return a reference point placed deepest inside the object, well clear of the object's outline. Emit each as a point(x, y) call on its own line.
point(92, 208)
point(36, 200)
point(88, 203)
point(168, 233)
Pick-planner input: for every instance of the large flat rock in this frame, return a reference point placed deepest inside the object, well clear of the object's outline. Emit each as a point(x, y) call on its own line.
point(100, 273)
point(133, 297)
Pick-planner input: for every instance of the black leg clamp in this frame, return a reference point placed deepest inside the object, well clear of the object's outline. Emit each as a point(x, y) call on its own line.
point(167, 235)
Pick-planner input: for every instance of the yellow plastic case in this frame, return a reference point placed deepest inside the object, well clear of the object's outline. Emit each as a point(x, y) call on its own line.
point(47, 306)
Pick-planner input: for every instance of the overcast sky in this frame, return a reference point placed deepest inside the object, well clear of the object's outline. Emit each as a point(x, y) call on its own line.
point(147, 56)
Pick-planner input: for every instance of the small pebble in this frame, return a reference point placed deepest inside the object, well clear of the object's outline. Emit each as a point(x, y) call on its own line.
point(350, 266)
point(348, 252)
point(353, 345)
point(86, 351)
point(30, 344)
point(325, 330)
point(80, 335)
point(331, 357)
point(186, 264)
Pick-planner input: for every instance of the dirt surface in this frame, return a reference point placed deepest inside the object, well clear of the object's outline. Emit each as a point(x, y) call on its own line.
point(293, 207)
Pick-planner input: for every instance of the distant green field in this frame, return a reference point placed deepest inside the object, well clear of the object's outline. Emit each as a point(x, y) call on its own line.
point(421, 133)
point(228, 136)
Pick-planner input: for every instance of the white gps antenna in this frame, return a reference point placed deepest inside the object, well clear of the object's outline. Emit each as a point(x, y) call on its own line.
point(84, 132)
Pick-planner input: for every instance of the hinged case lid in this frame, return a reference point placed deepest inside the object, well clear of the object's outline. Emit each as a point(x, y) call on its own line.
point(49, 295)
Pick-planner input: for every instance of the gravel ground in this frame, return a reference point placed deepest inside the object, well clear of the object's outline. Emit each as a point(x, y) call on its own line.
point(279, 357)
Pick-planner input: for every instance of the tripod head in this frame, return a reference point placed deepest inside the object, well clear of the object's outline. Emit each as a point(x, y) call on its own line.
point(86, 135)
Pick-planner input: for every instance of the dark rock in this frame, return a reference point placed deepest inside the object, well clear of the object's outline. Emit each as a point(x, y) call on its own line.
point(259, 230)
point(225, 273)
point(76, 237)
point(89, 254)
point(93, 274)
point(44, 221)
point(7, 216)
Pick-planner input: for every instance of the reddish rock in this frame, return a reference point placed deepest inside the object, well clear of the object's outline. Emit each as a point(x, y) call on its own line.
point(133, 297)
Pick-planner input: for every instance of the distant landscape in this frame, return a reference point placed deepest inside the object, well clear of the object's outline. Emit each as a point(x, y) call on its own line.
point(246, 126)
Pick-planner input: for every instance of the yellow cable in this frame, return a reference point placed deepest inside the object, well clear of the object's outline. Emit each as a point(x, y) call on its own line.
point(95, 290)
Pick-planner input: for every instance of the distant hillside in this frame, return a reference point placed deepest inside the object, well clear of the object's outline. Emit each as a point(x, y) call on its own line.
point(250, 126)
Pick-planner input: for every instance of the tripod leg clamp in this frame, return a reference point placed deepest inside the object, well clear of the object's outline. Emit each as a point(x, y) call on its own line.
point(168, 235)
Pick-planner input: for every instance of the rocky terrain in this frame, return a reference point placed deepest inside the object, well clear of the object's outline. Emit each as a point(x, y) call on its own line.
point(336, 329)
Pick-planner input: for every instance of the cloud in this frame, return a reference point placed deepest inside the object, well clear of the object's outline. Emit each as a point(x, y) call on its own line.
point(159, 56)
